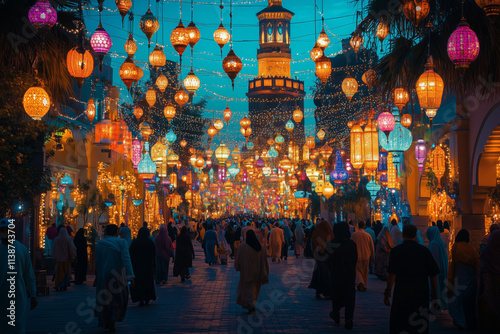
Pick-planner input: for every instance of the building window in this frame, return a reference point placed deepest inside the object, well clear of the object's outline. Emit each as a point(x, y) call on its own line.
point(270, 33)
point(279, 37)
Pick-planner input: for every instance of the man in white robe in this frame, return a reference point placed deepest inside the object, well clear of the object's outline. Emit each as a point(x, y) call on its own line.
point(276, 241)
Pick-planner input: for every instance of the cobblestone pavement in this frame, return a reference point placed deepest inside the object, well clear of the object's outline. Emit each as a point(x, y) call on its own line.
point(207, 304)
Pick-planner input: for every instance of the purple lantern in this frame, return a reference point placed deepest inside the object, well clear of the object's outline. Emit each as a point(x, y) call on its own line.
point(222, 174)
point(339, 174)
point(463, 46)
point(101, 43)
point(420, 153)
point(136, 152)
point(42, 15)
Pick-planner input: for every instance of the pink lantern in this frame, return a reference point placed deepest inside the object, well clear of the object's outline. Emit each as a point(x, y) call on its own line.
point(42, 15)
point(420, 153)
point(136, 152)
point(386, 122)
point(101, 43)
point(463, 46)
point(222, 174)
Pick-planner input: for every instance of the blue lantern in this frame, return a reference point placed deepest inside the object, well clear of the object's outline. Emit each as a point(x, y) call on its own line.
point(146, 167)
point(373, 188)
point(279, 139)
point(272, 153)
point(171, 136)
point(398, 141)
point(250, 145)
point(66, 180)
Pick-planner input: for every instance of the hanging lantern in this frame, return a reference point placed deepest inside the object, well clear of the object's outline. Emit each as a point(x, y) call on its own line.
point(104, 131)
point(369, 78)
point(221, 37)
point(130, 46)
point(157, 57)
point(382, 32)
point(193, 33)
point(356, 42)
point(321, 134)
point(399, 139)
point(373, 188)
point(140, 73)
point(42, 15)
point(232, 65)
point(279, 139)
point(145, 130)
point(391, 173)
point(406, 120)
point(227, 114)
point(149, 25)
point(191, 82)
point(180, 38)
point(80, 64)
point(91, 109)
point(438, 162)
point(151, 97)
point(490, 7)
point(289, 126)
point(323, 69)
point(323, 41)
point(171, 137)
point(136, 152)
point(357, 147)
point(286, 164)
point(162, 82)
point(420, 153)
point(146, 167)
point(349, 87)
point(222, 153)
point(123, 6)
point(128, 72)
point(316, 52)
point(463, 46)
point(416, 10)
point(138, 112)
point(36, 102)
point(218, 125)
point(159, 151)
point(245, 123)
point(200, 162)
point(401, 97)
point(310, 142)
point(181, 97)
point(212, 131)
point(430, 88)
point(339, 174)
point(328, 190)
point(370, 142)
point(183, 143)
point(169, 112)
point(386, 122)
point(297, 115)
point(248, 132)
point(101, 43)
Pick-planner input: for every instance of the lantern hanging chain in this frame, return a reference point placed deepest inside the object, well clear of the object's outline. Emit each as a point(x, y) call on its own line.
point(231, 23)
point(192, 16)
point(162, 30)
point(81, 33)
point(180, 10)
point(315, 21)
point(158, 11)
point(192, 10)
point(323, 14)
point(221, 7)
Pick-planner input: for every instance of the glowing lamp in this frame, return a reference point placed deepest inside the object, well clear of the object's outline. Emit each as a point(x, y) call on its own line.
point(328, 190)
point(321, 134)
point(289, 126)
point(101, 43)
point(136, 152)
point(123, 6)
point(369, 77)
point(80, 64)
point(36, 102)
point(490, 7)
point(42, 15)
point(104, 131)
point(293, 182)
point(356, 42)
point(149, 25)
point(373, 188)
point(401, 97)
point(392, 173)
point(128, 72)
point(406, 120)
point(232, 65)
point(212, 131)
point(357, 147)
point(386, 122)
point(310, 142)
point(171, 137)
point(218, 125)
point(420, 153)
point(157, 57)
point(161, 82)
point(430, 88)
point(279, 139)
point(138, 112)
point(222, 153)
point(183, 143)
point(221, 36)
point(193, 33)
point(399, 139)
point(349, 87)
point(438, 162)
point(463, 46)
point(286, 164)
point(146, 167)
point(316, 52)
point(227, 114)
point(181, 97)
point(416, 10)
point(91, 109)
point(151, 97)
point(130, 46)
point(323, 41)
point(169, 112)
point(200, 162)
point(382, 32)
point(323, 69)
point(370, 143)
point(191, 82)
point(339, 174)
point(297, 116)
point(326, 151)
point(172, 161)
point(245, 123)
point(248, 132)
point(145, 130)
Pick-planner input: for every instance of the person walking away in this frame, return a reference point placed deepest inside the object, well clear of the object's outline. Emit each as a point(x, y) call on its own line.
point(113, 270)
point(164, 251)
point(410, 266)
point(463, 274)
point(184, 255)
point(209, 243)
point(341, 257)
point(439, 251)
point(229, 235)
point(299, 239)
point(308, 248)
point(51, 234)
point(142, 255)
point(382, 253)
point(396, 235)
point(251, 262)
point(489, 291)
point(64, 252)
point(321, 279)
point(82, 259)
point(125, 233)
point(23, 279)
point(364, 244)
point(276, 240)
point(287, 236)
point(222, 245)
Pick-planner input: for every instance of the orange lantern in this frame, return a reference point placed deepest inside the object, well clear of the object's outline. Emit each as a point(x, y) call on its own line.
point(297, 115)
point(36, 102)
point(181, 97)
point(130, 46)
point(227, 114)
point(129, 72)
point(310, 142)
point(180, 38)
point(370, 142)
point(406, 120)
point(430, 88)
point(221, 37)
point(90, 111)
point(401, 97)
point(349, 87)
point(80, 64)
point(356, 42)
point(357, 147)
point(162, 82)
point(328, 190)
point(382, 32)
point(191, 82)
point(183, 143)
point(316, 52)
point(193, 33)
point(416, 10)
point(245, 123)
point(138, 112)
point(218, 125)
point(151, 97)
point(323, 69)
point(369, 77)
point(212, 131)
point(323, 41)
point(169, 112)
point(232, 65)
point(157, 57)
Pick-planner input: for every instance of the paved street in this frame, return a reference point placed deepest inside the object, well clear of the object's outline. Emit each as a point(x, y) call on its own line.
point(207, 304)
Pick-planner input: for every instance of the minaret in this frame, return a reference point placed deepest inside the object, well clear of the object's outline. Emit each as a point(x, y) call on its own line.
point(274, 95)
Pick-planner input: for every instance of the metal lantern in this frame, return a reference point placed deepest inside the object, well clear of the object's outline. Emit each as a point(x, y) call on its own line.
point(104, 131)
point(222, 153)
point(382, 32)
point(463, 46)
point(180, 38)
point(370, 143)
point(91, 110)
point(339, 174)
point(349, 87)
point(328, 190)
point(369, 77)
point(200, 162)
point(401, 97)
point(181, 97)
point(151, 97)
point(146, 167)
point(227, 114)
point(248, 132)
point(145, 130)
point(149, 25)
point(386, 122)
point(356, 42)
point(420, 153)
point(399, 139)
point(373, 188)
point(191, 82)
point(490, 7)
point(392, 174)
point(130, 46)
point(169, 111)
point(101, 43)
point(326, 151)
point(221, 37)
point(129, 72)
point(323, 41)
point(430, 88)
point(289, 126)
point(123, 6)
point(416, 10)
point(193, 33)
point(42, 15)
point(323, 69)
point(316, 52)
point(406, 120)
point(162, 82)
point(357, 147)
point(218, 125)
point(136, 152)
point(212, 131)
point(80, 64)
point(321, 134)
point(157, 57)
point(311, 142)
point(245, 123)
point(297, 115)
point(232, 65)
point(438, 162)
point(171, 137)
point(286, 164)
point(138, 112)
point(36, 102)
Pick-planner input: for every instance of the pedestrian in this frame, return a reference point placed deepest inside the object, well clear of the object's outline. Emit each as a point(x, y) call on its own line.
point(308, 248)
point(486, 238)
point(439, 251)
point(364, 244)
point(287, 236)
point(299, 239)
point(229, 235)
point(321, 279)
point(125, 233)
point(164, 251)
point(276, 241)
point(209, 245)
point(396, 235)
point(142, 255)
point(64, 252)
point(489, 290)
point(172, 231)
point(21, 276)
point(251, 262)
point(382, 253)
point(80, 242)
point(184, 255)
point(463, 274)
point(50, 234)
point(410, 266)
point(341, 258)
point(113, 270)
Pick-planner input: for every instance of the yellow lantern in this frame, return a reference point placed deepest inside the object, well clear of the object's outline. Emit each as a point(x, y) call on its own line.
point(183, 143)
point(248, 132)
point(370, 142)
point(297, 115)
point(356, 42)
point(90, 111)
point(212, 131)
point(218, 125)
point(293, 182)
point(286, 164)
point(129, 72)
point(181, 97)
point(191, 82)
point(328, 190)
point(169, 111)
point(430, 88)
point(157, 57)
point(310, 141)
point(151, 97)
point(401, 97)
point(321, 134)
point(311, 172)
point(391, 173)
point(289, 126)
point(406, 120)
point(316, 52)
point(221, 37)
point(438, 162)
point(323, 69)
point(222, 153)
point(149, 25)
point(227, 114)
point(172, 159)
point(162, 82)
point(236, 154)
point(194, 34)
point(326, 151)
point(323, 41)
point(200, 162)
point(349, 87)
point(80, 64)
point(209, 153)
point(245, 123)
point(305, 153)
point(130, 46)
point(36, 102)
point(357, 147)
point(138, 112)
point(382, 32)
point(159, 151)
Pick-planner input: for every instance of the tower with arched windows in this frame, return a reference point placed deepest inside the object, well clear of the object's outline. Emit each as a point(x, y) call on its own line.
point(274, 94)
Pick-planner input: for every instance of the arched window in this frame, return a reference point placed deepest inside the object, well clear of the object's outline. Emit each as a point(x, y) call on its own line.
point(279, 35)
point(270, 33)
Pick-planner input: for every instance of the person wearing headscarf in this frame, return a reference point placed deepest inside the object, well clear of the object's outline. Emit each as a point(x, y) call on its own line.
point(251, 262)
point(221, 239)
point(113, 270)
point(287, 236)
point(341, 257)
point(382, 253)
point(439, 251)
point(489, 291)
point(142, 255)
point(64, 252)
point(184, 255)
point(209, 244)
point(364, 243)
point(229, 235)
point(125, 233)
point(463, 274)
point(276, 241)
point(396, 234)
point(308, 248)
point(299, 239)
point(80, 242)
point(164, 251)
point(321, 280)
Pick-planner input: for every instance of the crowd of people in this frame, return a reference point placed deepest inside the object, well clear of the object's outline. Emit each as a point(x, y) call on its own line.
point(419, 277)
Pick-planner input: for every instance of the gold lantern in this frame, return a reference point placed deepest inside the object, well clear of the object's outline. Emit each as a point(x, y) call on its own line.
point(438, 162)
point(323, 69)
point(138, 112)
point(236, 154)
point(146, 130)
point(491, 8)
point(356, 42)
point(212, 131)
point(123, 6)
point(349, 87)
point(382, 32)
point(151, 97)
point(149, 25)
point(316, 52)
point(321, 134)
point(36, 102)
point(208, 152)
point(245, 123)
point(157, 57)
point(270, 142)
point(80, 64)
point(328, 190)
point(286, 164)
point(232, 65)
point(193, 33)
point(401, 97)
point(357, 147)
point(191, 82)
point(297, 115)
point(183, 143)
point(172, 160)
point(130, 46)
point(200, 162)
point(370, 142)
point(430, 88)
point(326, 151)
point(310, 142)
point(221, 37)
point(181, 97)
point(323, 41)
point(90, 111)
point(162, 82)
point(369, 77)
point(416, 10)
point(406, 120)
point(218, 125)
point(248, 132)
point(392, 182)
point(305, 153)
point(227, 114)
point(159, 151)
point(129, 72)
point(311, 172)
point(180, 38)
point(222, 153)
point(169, 111)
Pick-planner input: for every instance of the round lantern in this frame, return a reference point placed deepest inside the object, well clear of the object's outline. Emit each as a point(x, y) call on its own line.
point(80, 64)
point(297, 115)
point(232, 65)
point(138, 112)
point(416, 10)
point(316, 52)
point(221, 37)
point(180, 38)
point(430, 88)
point(321, 134)
point(349, 87)
point(200, 162)
point(311, 142)
point(149, 25)
point(357, 147)
point(145, 130)
point(218, 125)
point(91, 109)
point(323, 41)
point(171, 137)
point(370, 143)
point(386, 122)
point(356, 42)
point(101, 43)
point(248, 132)
point(279, 139)
point(151, 97)
point(293, 182)
point(286, 164)
point(183, 143)
point(323, 69)
point(130, 46)
point(193, 33)
point(42, 15)
point(406, 120)
point(169, 111)
point(382, 32)
point(181, 97)
point(128, 72)
point(401, 97)
point(162, 82)
point(328, 190)
point(369, 77)
point(104, 131)
point(212, 131)
point(222, 153)
point(399, 139)
point(245, 123)
point(289, 126)
point(157, 57)
point(463, 46)
point(191, 82)
point(420, 153)
point(490, 7)
point(123, 6)
point(36, 102)
point(227, 114)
